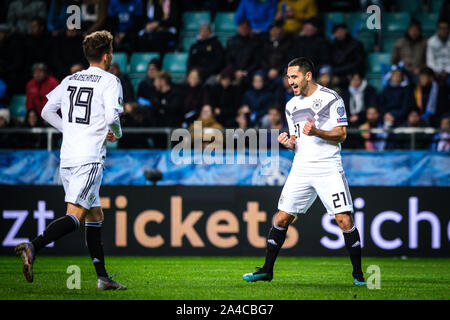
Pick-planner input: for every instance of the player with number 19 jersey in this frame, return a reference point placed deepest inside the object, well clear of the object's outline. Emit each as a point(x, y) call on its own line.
point(86, 98)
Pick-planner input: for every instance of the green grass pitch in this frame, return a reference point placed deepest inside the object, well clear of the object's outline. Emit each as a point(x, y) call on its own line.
point(219, 278)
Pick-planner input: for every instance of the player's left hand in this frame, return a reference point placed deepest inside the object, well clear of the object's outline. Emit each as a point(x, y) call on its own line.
point(111, 137)
point(309, 128)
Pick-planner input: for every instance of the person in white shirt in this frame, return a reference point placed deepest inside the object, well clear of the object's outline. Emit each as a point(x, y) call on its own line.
point(438, 52)
point(90, 102)
point(317, 126)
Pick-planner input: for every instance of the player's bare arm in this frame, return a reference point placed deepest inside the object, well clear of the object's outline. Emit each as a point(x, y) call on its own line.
point(287, 142)
point(337, 134)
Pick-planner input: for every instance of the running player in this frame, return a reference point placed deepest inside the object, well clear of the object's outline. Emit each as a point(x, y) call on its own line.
point(90, 102)
point(318, 125)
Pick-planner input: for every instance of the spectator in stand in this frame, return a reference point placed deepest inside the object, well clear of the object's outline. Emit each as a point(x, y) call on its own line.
point(274, 119)
point(357, 98)
point(12, 57)
point(67, 51)
point(243, 51)
point(325, 78)
point(77, 67)
point(373, 141)
point(162, 23)
point(38, 44)
point(125, 18)
point(312, 44)
point(94, 14)
point(5, 139)
point(258, 99)
point(32, 140)
point(260, 13)
point(421, 140)
point(441, 140)
point(224, 97)
point(284, 93)
point(438, 52)
point(209, 138)
point(411, 49)
point(57, 17)
point(347, 54)
point(427, 96)
point(133, 116)
point(146, 89)
point(396, 98)
point(38, 87)
point(127, 87)
point(293, 12)
point(206, 53)
point(275, 50)
point(194, 96)
point(167, 103)
point(242, 119)
point(21, 12)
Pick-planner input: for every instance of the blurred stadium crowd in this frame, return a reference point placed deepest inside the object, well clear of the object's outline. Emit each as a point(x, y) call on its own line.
point(222, 62)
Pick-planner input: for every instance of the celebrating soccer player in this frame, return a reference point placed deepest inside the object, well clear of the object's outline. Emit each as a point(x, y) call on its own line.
point(90, 102)
point(317, 125)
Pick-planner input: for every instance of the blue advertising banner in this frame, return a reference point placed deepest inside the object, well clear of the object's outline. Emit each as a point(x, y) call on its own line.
point(126, 167)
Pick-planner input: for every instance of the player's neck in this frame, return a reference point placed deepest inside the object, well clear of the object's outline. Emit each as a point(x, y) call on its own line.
point(98, 65)
point(311, 89)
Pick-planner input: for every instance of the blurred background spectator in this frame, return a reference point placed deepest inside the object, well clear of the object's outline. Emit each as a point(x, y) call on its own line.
point(38, 87)
point(206, 53)
point(373, 141)
point(276, 46)
point(194, 96)
point(258, 98)
point(260, 13)
point(411, 49)
point(293, 12)
point(21, 12)
point(358, 96)
point(127, 87)
point(146, 89)
point(438, 52)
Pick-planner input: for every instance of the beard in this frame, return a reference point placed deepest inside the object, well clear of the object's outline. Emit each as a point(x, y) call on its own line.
point(303, 87)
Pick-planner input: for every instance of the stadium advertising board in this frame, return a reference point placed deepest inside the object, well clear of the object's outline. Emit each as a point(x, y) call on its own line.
point(181, 220)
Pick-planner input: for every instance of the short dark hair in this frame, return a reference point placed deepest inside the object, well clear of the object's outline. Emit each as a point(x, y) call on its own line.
point(304, 64)
point(427, 71)
point(96, 44)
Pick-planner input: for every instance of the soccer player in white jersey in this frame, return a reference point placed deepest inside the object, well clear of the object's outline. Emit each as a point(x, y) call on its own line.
point(317, 126)
point(90, 102)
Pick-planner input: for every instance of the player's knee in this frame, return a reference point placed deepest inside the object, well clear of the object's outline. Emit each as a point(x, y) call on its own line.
point(344, 221)
point(282, 220)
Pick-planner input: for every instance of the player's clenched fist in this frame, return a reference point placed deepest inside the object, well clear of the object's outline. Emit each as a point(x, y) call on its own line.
point(111, 137)
point(284, 139)
point(309, 128)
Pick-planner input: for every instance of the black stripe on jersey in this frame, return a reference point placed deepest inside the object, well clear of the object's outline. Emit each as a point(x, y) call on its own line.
point(347, 190)
point(324, 89)
point(90, 181)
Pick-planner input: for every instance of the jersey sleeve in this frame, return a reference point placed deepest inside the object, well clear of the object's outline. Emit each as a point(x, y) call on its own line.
point(113, 96)
point(338, 115)
point(49, 112)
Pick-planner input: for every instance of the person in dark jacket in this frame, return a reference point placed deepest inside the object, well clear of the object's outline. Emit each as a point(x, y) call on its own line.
point(161, 26)
point(67, 51)
point(194, 96)
point(38, 44)
point(127, 87)
point(347, 53)
point(312, 44)
point(396, 99)
point(275, 50)
point(206, 53)
point(258, 98)
point(243, 51)
point(358, 96)
point(224, 97)
point(167, 103)
point(146, 89)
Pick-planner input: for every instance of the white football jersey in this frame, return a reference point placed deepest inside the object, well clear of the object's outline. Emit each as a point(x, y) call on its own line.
point(314, 155)
point(84, 98)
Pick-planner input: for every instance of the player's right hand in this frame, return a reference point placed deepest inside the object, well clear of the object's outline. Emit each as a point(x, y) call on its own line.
point(111, 137)
point(283, 138)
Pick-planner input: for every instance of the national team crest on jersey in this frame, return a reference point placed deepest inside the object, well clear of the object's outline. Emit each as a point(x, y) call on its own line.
point(317, 104)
